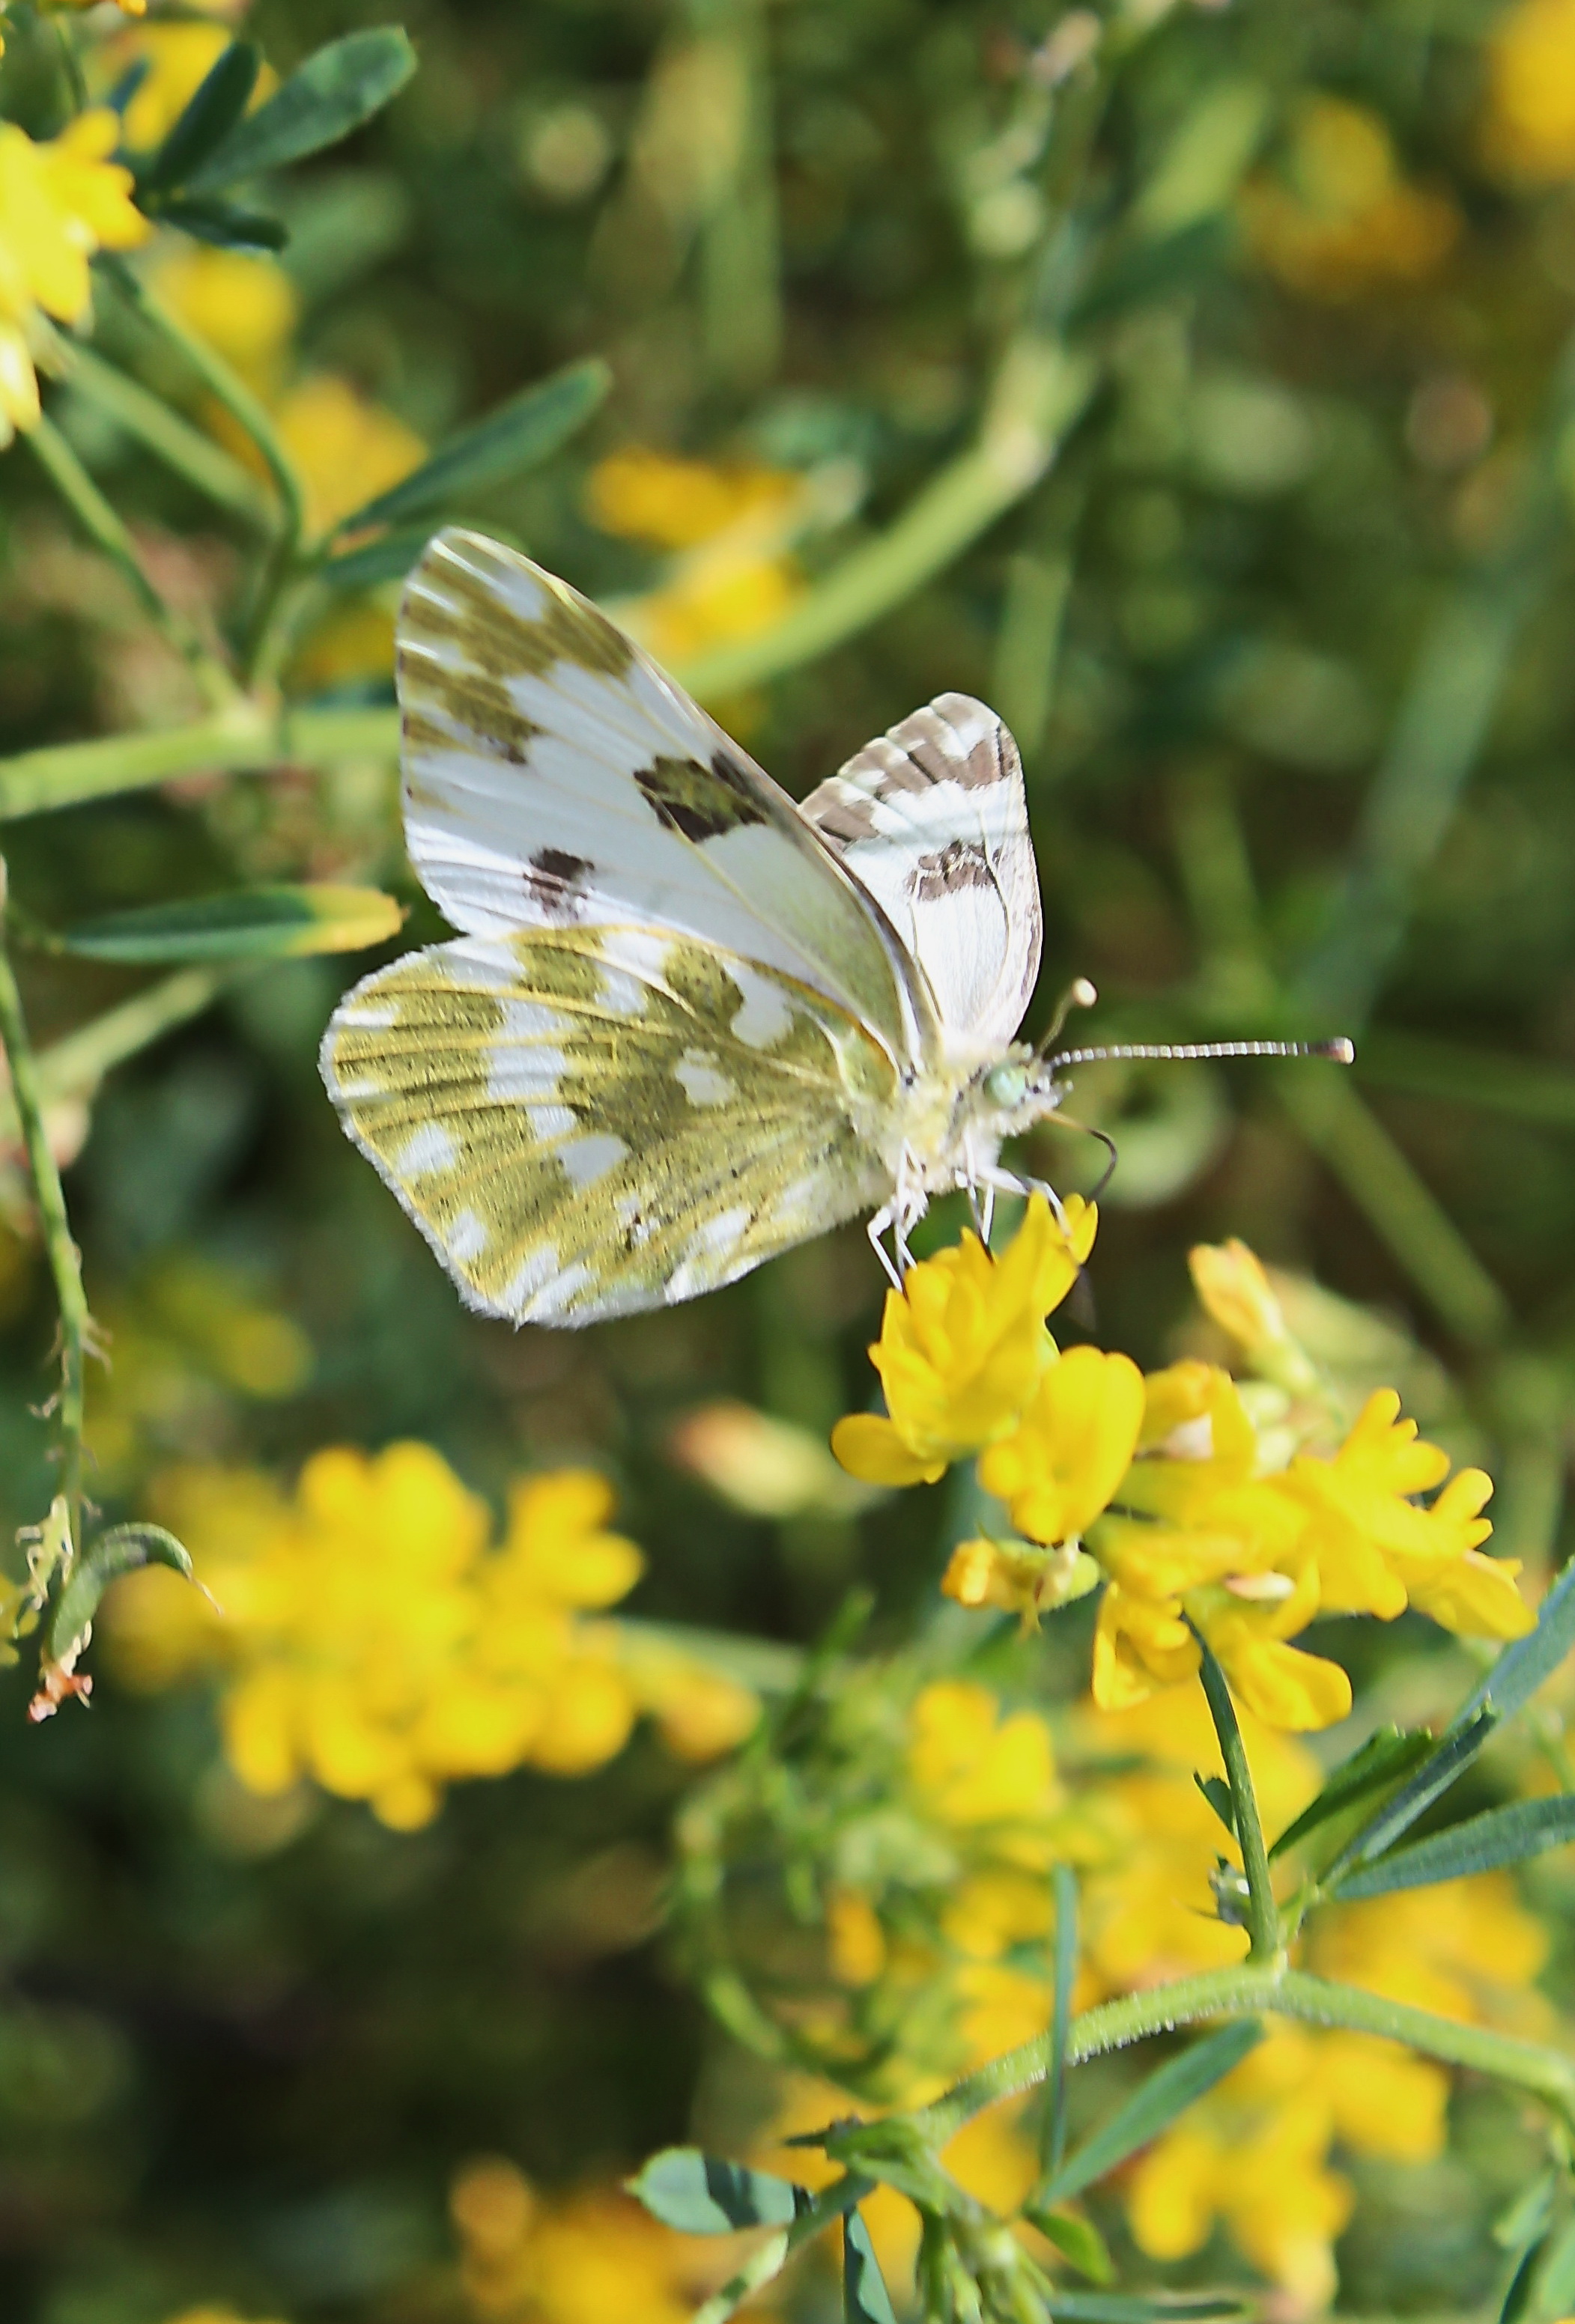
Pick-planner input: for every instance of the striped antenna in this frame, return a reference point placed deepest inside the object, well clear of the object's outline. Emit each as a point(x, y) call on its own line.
point(1341, 1051)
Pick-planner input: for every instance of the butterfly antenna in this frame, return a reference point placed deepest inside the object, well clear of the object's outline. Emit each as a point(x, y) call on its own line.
point(1341, 1052)
point(1060, 1120)
point(1079, 994)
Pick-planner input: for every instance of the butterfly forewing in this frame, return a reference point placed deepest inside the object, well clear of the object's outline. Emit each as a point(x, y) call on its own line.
point(931, 819)
point(555, 778)
point(588, 1121)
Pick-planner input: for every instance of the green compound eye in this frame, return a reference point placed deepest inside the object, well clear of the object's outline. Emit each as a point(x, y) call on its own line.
point(1006, 1086)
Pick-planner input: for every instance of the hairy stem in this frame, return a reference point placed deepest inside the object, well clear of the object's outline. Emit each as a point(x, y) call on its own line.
point(65, 1261)
point(246, 739)
point(185, 450)
point(1245, 1992)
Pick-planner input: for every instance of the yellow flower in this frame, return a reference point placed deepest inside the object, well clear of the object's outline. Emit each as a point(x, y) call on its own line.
point(60, 202)
point(245, 308)
point(1062, 1464)
point(378, 1645)
point(713, 599)
point(1529, 133)
point(345, 447)
point(962, 1346)
point(174, 59)
point(591, 2257)
point(1231, 1285)
point(675, 504)
point(208, 2315)
point(1345, 221)
point(972, 1768)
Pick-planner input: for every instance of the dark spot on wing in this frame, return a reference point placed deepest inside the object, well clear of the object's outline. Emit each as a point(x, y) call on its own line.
point(960, 864)
point(700, 802)
point(555, 882)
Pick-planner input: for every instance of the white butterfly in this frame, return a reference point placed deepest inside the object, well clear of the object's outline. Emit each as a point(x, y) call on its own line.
point(688, 1023)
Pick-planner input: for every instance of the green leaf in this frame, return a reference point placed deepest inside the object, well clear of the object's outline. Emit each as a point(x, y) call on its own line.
point(1149, 2110)
point(120, 1550)
point(1146, 271)
point(210, 114)
point(1481, 1844)
point(520, 434)
point(1077, 2239)
point(225, 224)
point(250, 923)
point(1217, 1792)
point(1443, 1767)
point(1556, 2291)
point(1131, 2308)
point(1522, 1667)
point(388, 559)
point(865, 2297)
point(1384, 1758)
point(1518, 2292)
point(701, 2195)
point(327, 96)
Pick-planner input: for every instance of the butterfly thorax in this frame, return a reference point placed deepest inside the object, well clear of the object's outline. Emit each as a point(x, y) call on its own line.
point(954, 1117)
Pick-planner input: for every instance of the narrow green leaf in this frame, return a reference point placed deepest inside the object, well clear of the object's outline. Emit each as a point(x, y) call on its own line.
point(761, 2268)
point(210, 114)
point(327, 96)
point(1443, 1765)
point(1176, 2086)
point(865, 2297)
point(520, 434)
point(282, 923)
point(1054, 2122)
point(1522, 1666)
point(701, 2195)
point(1131, 2308)
point(1384, 1758)
point(1481, 1844)
point(1146, 269)
point(388, 559)
point(1217, 1792)
point(224, 224)
point(1078, 2240)
point(1526, 2219)
point(1518, 2292)
point(120, 1550)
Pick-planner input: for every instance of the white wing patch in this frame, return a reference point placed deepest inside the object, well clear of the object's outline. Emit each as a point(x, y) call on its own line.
point(568, 1159)
point(554, 778)
point(931, 819)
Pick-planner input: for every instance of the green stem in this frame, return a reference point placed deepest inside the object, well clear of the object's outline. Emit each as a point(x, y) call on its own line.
point(71, 69)
point(1042, 390)
point(78, 1063)
point(246, 739)
point(106, 530)
point(1263, 1919)
point(1243, 1992)
point(65, 1261)
point(251, 414)
point(185, 450)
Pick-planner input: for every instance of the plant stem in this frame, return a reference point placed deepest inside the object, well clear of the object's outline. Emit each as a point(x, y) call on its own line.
point(65, 1261)
point(106, 530)
point(250, 413)
point(190, 455)
point(1243, 1992)
point(1042, 390)
point(245, 739)
point(79, 1061)
point(1263, 1919)
point(1054, 2121)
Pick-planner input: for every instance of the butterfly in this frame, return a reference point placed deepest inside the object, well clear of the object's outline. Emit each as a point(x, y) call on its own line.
point(687, 1022)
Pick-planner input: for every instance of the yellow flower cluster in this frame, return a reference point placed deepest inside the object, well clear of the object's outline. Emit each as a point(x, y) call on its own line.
point(1201, 1517)
point(378, 1643)
point(591, 2257)
point(730, 527)
point(1343, 221)
point(1529, 130)
point(60, 202)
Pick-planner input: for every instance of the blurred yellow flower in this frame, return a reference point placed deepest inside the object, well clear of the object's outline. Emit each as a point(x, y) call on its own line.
point(1529, 131)
point(1343, 220)
point(962, 1347)
point(379, 1644)
point(212, 2315)
point(590, 2257)
point(345, 447)
point(60, 202)
point(246, 307)
point(676, 503)
point(1072, 1446)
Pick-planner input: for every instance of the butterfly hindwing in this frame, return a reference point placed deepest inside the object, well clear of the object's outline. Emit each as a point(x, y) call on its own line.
point(584, 1121)
point(931, 819)
point(556, 779)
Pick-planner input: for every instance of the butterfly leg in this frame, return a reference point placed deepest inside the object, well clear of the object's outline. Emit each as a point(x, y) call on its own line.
point(876, 1227)
point(1007, 1181)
